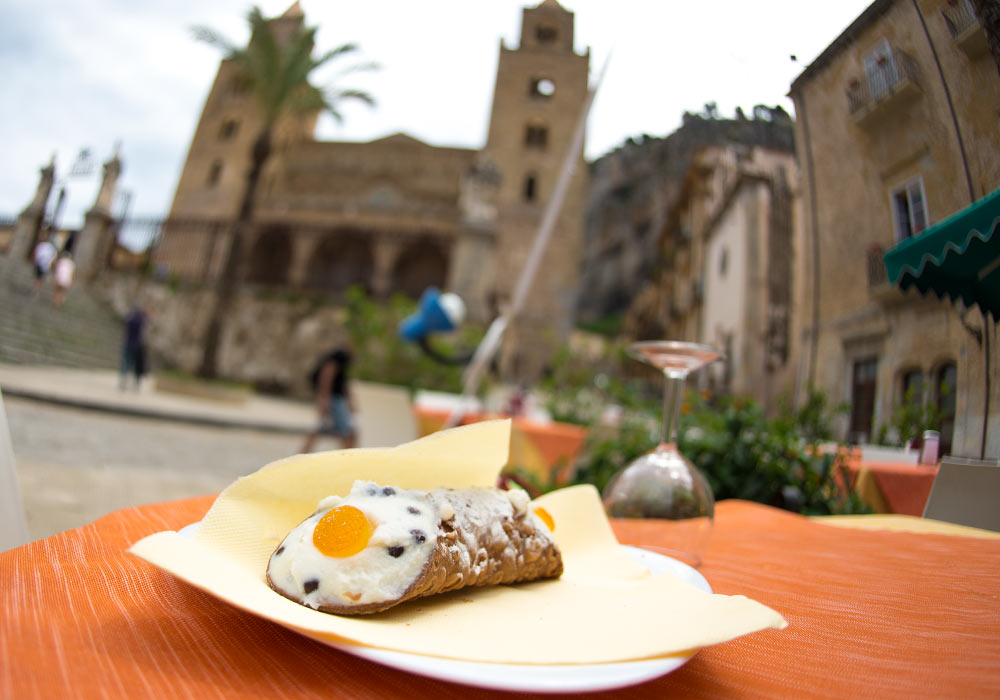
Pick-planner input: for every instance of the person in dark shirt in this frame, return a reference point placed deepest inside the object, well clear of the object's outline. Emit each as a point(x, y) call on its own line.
point(334, 400)
point(134, 348)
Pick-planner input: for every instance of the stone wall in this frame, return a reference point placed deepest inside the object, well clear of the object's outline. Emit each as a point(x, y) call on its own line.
point(272, 342)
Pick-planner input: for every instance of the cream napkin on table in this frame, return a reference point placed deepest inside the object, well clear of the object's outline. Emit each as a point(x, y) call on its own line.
point(604, 608)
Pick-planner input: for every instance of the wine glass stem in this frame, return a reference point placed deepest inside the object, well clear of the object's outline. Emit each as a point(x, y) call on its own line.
point(673, 394)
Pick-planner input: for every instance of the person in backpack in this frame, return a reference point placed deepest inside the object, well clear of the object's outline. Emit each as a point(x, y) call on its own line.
point(334, 400)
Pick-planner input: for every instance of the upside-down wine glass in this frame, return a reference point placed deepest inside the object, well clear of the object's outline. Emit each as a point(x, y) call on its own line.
point(664, 484)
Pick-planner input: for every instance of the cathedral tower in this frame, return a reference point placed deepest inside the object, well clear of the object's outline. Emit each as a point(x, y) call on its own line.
point(541, 87)
point(214, 174)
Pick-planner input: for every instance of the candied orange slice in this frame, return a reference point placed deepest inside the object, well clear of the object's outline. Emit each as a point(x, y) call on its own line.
point(343, 532)
point(546, 518)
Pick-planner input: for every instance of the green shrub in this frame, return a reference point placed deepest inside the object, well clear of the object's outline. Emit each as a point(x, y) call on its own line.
point(911, 417)
point(740, 451)
point(745, 455)
point(380, 355)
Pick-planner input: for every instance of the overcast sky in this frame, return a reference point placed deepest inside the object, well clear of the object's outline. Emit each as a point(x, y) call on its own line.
point(88, 73)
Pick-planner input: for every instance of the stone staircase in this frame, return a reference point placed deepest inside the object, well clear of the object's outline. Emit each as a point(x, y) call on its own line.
point(82, 333)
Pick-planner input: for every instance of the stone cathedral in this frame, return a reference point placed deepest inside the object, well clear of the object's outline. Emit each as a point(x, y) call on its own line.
point(396, 214)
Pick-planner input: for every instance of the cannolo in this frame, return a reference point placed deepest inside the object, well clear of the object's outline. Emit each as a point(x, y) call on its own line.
point(382, 545)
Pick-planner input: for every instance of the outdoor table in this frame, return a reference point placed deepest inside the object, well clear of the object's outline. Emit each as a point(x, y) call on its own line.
point(893, 487)
point(545, 449)
point(870, 614)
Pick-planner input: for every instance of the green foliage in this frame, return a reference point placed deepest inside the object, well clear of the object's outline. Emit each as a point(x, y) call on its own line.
point(740, 451)
point(814, 419)
point(911, 418)
point(579, 391)
point(277, 69)
point(609, 326)
point(380, 355)
point(745, 455)
point(608, 450)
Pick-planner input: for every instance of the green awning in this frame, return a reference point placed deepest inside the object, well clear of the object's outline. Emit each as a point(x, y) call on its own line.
point(958, 257)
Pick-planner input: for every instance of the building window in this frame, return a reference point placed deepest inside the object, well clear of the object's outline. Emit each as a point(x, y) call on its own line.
point(912, 387)
point(546, 34)
point(214, 174)
point(228, 129)
point(881, 70)
point(863, 379)
point(542, 87)
point(944, 391)
point(909, 209)
point(536, 137)
point(530, 188)
point(239, 87)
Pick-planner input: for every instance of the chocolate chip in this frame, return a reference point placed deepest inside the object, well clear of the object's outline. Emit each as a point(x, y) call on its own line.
point(371, 491)
point(388, 491)
point(412, 510)
point(396, 551)
point(419, 536)
point(310, 585)
point(280, 550)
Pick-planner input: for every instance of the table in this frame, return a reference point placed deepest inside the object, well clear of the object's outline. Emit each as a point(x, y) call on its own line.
point(545, 449)
point(891, 487)
point(870, 613)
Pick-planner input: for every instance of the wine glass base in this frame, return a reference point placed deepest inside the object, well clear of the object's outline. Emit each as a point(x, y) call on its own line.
point(689, 558)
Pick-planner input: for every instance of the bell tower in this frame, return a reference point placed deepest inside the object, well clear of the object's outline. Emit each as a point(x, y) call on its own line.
point(214, 173)
point(541, 88)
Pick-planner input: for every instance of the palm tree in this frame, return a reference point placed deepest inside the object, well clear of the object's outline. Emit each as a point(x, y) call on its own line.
point(275, 67)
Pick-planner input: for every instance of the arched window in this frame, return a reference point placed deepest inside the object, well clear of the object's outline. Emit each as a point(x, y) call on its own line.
point(536, 136)
point(228, 129)
point(421, 265)
point(943, 393)
point(214, 173)
point(911, 386)
point(270, 257)
point(546, 34)
point(530, 188)
point(342, 260)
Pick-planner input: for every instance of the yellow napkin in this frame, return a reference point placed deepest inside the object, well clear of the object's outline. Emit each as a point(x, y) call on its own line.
point(604, 608)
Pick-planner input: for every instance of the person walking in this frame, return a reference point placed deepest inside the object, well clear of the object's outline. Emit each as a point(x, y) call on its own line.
point(45, 253)
point(62, 275)
point(134, 348)
point(334, 401)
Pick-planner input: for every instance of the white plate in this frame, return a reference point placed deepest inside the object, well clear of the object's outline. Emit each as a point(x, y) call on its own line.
point(572, 678)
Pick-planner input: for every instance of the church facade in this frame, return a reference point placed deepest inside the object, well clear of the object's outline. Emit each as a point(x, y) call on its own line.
point(396, 214)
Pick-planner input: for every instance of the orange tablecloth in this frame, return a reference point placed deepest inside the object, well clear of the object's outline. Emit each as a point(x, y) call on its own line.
point(871, 614)
point(902, 487)
point(547, 450)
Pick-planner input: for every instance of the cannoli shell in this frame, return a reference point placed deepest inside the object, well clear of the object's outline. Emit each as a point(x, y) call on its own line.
point(487, 541)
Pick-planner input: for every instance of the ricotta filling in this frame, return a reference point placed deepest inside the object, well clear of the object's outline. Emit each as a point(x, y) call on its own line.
point(404, 536)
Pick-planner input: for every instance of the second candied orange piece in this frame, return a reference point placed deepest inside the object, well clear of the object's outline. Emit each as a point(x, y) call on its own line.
point(546, 518)
point(343, 532)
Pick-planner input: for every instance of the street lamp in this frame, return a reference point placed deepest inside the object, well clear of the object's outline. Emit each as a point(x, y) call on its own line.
point(83, 166)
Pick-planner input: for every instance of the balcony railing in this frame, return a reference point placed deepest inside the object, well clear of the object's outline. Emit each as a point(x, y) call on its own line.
point(960, 17)
point(965, 28)
point(890, 78)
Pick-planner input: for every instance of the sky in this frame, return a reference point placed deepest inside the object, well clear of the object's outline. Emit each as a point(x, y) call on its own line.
point(90, 74)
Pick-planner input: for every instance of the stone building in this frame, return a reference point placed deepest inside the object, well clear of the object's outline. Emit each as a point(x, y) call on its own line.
point(397, 214)
point(728, 249)
point(631, 191)
point(896, 129)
